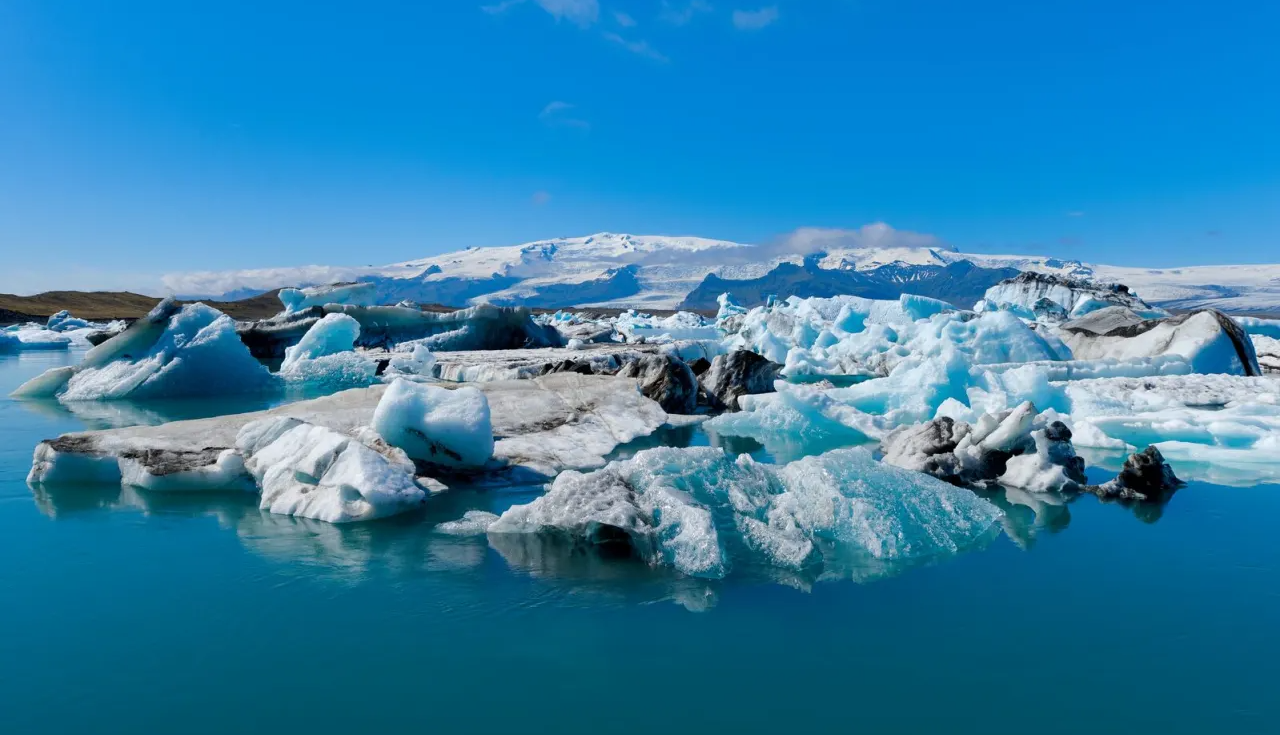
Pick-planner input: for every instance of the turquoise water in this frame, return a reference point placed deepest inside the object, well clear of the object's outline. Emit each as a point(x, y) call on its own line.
point(129, 613)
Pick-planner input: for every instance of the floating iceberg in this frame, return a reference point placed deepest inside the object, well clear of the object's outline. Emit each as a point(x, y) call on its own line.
point(437, 426)
point(1043, 296)
point(32, 339)
point(700, 511)
point(173, 352)
point(325, 355)
point(354, 294)
point(482, 327)
point(1020, 448)
point(315, 472)
point(1210, 341)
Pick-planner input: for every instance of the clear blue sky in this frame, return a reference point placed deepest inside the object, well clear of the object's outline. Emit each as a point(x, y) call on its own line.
point(139, 137)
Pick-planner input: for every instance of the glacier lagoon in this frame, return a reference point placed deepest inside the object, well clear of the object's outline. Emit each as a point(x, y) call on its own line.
point(128, 611)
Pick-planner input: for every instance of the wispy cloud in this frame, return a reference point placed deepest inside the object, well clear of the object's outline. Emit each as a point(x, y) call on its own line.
point(637, 47)
point(1076, 213)
point(583, 13)
point(678, 15)
point(623, 19)
point(754, 20)
point(502, 7)
point(559, 114)
point(540, 198)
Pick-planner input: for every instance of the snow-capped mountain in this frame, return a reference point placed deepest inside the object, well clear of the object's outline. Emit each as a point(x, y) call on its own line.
point(661, 272)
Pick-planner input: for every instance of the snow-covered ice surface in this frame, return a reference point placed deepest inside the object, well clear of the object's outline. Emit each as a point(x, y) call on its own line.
point(536, 428)
point(663, 270)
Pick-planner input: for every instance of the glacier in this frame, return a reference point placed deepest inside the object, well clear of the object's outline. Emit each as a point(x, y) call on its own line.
point(661, 272)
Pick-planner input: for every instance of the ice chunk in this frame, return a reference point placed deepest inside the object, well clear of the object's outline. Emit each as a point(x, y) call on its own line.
point(64, 322)
point(325, 356)
point(1260, 327)
point(728, 308)
point(195, 353)
point(417, 362)
point(315, 472)
point(1268, 352)
point(1026, 294)
point(441, 426)
point(1020, 448)
point(1209, 340)
point(922, 307)
point(33, 339)
point(696, 509)
point(354, 294)
point(472, 523)
point(333, 334)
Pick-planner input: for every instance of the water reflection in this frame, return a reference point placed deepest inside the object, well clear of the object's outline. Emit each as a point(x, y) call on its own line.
point(407, 547)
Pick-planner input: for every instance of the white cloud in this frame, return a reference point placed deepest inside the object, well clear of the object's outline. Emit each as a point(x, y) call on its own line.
point(754, 20)
point(680, 15)
point(540, 198)
point(623, 19)
point(580, 12)
point(558, 114)
point(637, 47)
point(583, 13)
point(502, 7)
point(878, 235)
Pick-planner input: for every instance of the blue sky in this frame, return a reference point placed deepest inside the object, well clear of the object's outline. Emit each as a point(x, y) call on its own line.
point(139, 137)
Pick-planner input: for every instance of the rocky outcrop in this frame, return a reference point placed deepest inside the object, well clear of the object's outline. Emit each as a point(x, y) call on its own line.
point(737, 374)
point(1146, 477)
point(665, 379)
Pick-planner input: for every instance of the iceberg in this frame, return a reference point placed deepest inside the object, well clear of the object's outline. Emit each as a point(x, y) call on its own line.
point(325, 355)
point(436, 426)
point(1020, 448)
point(699, 511)
point(1209, 340)
point(32, 339)
point(354, 294)
point(541, 426)
point(174, 352)
point(315, 472)
point(1032, 295)
point(481, 327)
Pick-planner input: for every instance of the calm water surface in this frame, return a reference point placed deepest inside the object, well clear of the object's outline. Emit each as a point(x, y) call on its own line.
point(129, 613)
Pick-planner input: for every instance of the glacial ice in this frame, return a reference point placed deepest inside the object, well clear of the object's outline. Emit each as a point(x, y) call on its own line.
point(701, 512)
point(172, 353)
point(22, 339)
point(354, 294)
point(1033, 296)
point(1208, 340)
point(315, 472)
point(325, 356)
point(438, 426)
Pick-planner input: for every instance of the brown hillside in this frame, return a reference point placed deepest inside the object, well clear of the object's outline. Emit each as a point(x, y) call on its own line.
point(103, 305)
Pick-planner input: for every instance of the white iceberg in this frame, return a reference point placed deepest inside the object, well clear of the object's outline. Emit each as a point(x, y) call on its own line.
point(354, 294)
point(315, 472)
point(439, 426)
